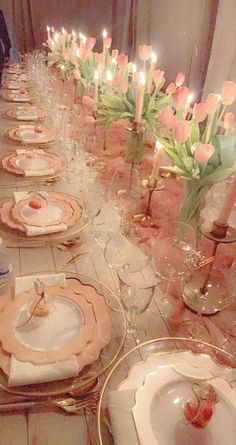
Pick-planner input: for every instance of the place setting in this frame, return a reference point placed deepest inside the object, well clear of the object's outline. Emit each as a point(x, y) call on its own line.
point(31, 167)
point(26, 113)
point(168, 396)
point(29, 135)
point(21, 95)
point(57, 335)
point(42, 216)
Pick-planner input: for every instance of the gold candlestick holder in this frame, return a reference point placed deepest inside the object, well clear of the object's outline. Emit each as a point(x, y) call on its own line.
point(152, 185)
point(199, 293)
point(135, 132)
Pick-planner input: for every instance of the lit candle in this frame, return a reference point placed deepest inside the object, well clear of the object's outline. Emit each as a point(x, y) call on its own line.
point(56, 37)
point(104, 36)
point(63, 31)
point(153, 62)
point(109, 82)
point(228, 203)
point(96, 79)
point(77, 52)
point(158, 156)
point(48, 31)
point(140, 97)
point(74, 36)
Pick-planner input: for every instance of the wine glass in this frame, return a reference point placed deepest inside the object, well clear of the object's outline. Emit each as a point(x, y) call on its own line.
point(172, 254)
point(136, 292)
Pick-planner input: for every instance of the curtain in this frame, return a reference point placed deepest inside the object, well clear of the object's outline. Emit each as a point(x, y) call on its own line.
point(124, 26)
point(222, 60)
point(181, 34)
point(22, 20)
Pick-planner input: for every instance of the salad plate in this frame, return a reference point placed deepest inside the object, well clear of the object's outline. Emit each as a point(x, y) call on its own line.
point(161, 402)
point(17, 96)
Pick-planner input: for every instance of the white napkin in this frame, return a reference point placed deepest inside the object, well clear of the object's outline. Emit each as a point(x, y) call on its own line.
point(17, 97)
point(21, 151)
point(27, 116)
point(22, 284)
point(120, 404)
point(35, 230)
point(22, 373)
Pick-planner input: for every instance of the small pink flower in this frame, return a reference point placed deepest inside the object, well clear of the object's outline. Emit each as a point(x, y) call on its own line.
point(203, 152)
point(76, 74)
point(199, 111)
point(229, 121)
point(180, 97)
point(171, 88)
point(115, 53)
point(167, 118)
point(91, 42)
point(144, 52)
point(212, 102)
point(181, 131)
point(158, 76)
point(228, 92)
point(180, 78)
point(89, 121)
point(87, 104)
point(123, 86)
point(122, 60)
point(107, 42)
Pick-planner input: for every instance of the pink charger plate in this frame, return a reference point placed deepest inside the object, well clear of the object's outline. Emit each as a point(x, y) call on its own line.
point(9, 162)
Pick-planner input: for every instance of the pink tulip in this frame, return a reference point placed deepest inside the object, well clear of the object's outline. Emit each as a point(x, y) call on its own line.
point(115, 53)
point(180, 97)
point(180, 78)
point(158, 76)
point(228, 92)
point(87, 104)
point(229, 121)
point(181, 131)
point(122, 60)
point(117, 77)
point(76, 74)
point(89, 121)
point(123, 86)
point(212, 102)
point(144, 52)
point(167, 118)
point(107, 42)
point(199, 111)
point(171, 88)
point(203, 152)
point(91, 42)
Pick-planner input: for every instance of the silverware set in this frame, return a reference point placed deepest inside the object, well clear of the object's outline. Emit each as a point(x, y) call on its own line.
point(75, 404)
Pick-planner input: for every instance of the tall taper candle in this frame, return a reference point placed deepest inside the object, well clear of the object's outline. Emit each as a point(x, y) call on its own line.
point(228, 203)
point(140, 98)
point(158, 156)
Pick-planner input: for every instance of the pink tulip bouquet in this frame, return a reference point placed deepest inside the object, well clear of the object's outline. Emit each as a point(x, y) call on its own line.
point(193, 141)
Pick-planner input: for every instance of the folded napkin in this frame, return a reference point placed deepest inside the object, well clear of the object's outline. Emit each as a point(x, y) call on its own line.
point(120, 404)
point(35, 230)
point(22, 151)
point(22, 284)
point(27, 116)
point(17, 97)
point(23, 373)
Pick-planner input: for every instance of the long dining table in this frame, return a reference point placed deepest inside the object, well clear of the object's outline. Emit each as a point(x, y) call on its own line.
point(46, 425)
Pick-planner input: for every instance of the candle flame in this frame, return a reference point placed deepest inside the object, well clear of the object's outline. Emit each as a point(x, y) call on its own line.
point(153, 57)
point(63, 31)
point(142, 78)
point(96, 75)
point(219, 97)
point(48, 28)
point(109, 76)
point(190, 99)
point(56, 36)
point(114, 61)
point(62, 67)
point(134, 68)
point(73, 33)
point(104, 34)
point(77, 52)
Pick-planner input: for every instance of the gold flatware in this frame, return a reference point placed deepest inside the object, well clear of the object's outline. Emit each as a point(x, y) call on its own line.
point(73, 259)
point(73, 404)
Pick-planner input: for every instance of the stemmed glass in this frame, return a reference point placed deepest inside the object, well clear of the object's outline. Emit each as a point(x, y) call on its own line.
point(136, 292)
point(172, 254)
